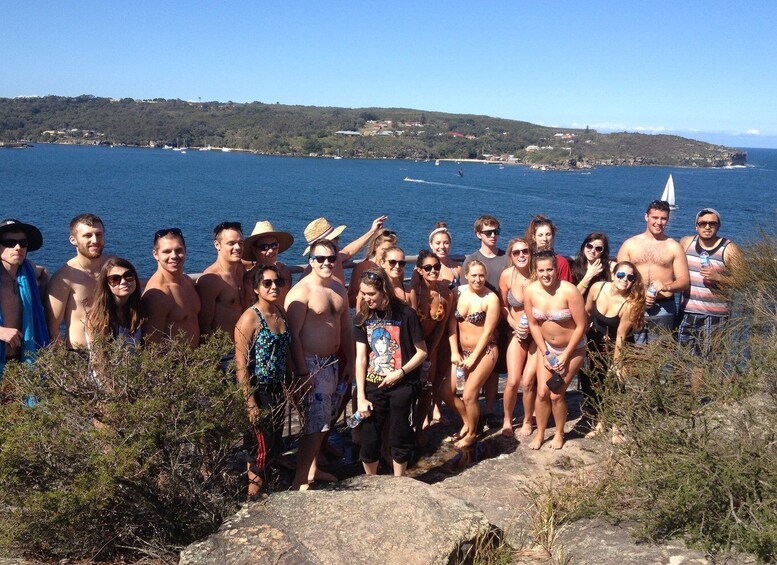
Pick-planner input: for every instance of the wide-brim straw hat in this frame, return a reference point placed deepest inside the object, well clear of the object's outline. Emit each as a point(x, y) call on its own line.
point(320, 228)
point(264, 229)
point(34, 237)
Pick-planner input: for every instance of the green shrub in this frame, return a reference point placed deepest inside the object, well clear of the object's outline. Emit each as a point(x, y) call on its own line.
point(700, 462)
point(139, 459)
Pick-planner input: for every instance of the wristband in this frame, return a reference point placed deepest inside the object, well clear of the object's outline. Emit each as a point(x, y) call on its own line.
point(403, 371)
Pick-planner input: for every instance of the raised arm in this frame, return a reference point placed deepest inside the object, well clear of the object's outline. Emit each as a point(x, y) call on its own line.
point(356, 245)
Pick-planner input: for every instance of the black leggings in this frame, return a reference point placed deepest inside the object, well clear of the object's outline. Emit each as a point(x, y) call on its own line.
point(394, 403)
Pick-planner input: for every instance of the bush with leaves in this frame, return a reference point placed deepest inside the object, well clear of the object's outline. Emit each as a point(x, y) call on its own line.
point(699, 462)
point(135, 456)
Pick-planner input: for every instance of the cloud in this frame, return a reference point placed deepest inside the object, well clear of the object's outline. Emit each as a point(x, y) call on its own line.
point(753, 131)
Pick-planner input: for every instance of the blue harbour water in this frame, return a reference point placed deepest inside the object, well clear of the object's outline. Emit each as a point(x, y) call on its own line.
point(137, 191)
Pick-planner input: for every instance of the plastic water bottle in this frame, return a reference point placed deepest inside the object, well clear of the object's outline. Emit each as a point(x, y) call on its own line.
point(427, 365)
point(354, 420)
point(461, 377)
point(651, 291)
point(524, 323)
point(704, 260)
point(552, 359)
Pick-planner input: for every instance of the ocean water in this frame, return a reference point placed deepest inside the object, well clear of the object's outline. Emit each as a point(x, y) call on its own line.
point(137, 191)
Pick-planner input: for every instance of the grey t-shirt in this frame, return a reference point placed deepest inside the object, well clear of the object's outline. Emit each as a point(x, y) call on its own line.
point(494, 268)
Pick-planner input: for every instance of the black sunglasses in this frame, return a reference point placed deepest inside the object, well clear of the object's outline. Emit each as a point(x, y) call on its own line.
point(321, 258)
point(428, 268)
point(267, 246)
point(10, 242)
point(268, 283)
point(597, 248)
point(394, 262)
point(522, 251)
point(373, 278)
point(712, 224)
point(489, 233)
point(115, 280)
point(167, 231)
point(629, 277)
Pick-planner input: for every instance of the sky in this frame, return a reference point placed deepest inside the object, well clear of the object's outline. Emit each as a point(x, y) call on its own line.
point(702, 69)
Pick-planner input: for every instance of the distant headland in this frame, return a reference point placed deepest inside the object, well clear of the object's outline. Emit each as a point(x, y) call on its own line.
point(374, 133)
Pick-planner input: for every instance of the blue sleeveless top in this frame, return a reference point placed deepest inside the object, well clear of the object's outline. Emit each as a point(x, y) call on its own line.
point(269, 352)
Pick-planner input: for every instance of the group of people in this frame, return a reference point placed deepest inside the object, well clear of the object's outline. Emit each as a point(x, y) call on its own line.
point(413, 342)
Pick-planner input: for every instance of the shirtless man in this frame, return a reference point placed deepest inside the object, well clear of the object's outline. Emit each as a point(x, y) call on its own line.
point(319, 319)
point(220, 287)
point(262, 248)
point(19, 293)
point(662, 263)
point(72, 287)
point(170, 302)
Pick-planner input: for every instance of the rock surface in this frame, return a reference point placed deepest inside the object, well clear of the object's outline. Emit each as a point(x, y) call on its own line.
point(361, 520)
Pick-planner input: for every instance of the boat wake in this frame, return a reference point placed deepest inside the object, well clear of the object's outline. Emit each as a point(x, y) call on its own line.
point(464, 186)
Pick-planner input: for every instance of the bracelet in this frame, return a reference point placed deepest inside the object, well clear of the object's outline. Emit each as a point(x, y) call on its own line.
point(403, 371)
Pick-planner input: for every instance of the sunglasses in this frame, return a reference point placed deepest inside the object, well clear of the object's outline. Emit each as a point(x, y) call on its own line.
point(321, 258)
point(115, 280)
point(394, 262)
point(630, 277)
point(522, 251)
point(268, 283)
point(712, 224)
point(597, 248)
point(167, 231)
point(267, 246)
point(10, 242)
point(429, 268)
point(373, 278)
point(489, 233)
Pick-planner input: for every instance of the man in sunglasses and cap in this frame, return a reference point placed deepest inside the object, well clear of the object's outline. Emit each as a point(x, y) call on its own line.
point(220, 287)
point(262, 248)
point(170, 301)
point(320, 323)
point(23, 327)
point(73, 286)
point(709, 257)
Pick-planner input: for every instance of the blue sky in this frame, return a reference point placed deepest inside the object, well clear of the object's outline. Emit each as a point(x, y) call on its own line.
point(704, 69)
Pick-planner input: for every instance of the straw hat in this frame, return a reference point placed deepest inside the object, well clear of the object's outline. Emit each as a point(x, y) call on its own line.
point(263, 229)
point(34, 237)
point(320, 228)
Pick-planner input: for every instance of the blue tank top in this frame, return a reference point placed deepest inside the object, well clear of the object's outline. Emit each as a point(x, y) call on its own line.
point(269, 352)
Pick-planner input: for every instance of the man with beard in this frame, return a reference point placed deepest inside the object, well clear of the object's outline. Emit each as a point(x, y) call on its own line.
point(73, 286)
point(170, 302)
point(220, 286)
point(663, 266)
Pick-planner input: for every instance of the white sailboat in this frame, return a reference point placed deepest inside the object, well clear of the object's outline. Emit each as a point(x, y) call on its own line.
point(668, 194)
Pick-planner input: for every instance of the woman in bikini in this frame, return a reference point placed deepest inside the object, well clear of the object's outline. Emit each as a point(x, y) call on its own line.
point(440, 244)
point(377, 246)
point(393, 262)
point(473, 347)
point(592, 262)
point(616, 309)
point(434, 300)
point(541, 234)
point(521, 351)
point(262, 341)
point(557, 321)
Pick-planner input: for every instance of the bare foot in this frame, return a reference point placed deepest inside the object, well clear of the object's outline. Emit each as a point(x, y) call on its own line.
point(536, 442)
point(617, 437)
point(254, 485)
point(305, 486)
point(507, 429)
point(466, 441)
point(595, 432)
point(322, 476)
point(525, 431)
point(558, 441)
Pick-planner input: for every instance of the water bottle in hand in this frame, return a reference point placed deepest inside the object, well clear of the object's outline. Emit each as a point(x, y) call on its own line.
point(355, 419)
point(704, 260)
point(461, 377)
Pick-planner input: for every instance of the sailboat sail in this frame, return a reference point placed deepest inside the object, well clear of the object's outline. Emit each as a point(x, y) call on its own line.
point(668, 194)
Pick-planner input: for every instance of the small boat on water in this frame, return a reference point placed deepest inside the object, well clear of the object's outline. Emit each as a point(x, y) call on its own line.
point(437, 162)
point(408, 179)
point(668, 194)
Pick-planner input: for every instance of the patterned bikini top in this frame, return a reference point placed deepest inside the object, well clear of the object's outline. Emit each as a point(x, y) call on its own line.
point(554, 316)
point(475, 318)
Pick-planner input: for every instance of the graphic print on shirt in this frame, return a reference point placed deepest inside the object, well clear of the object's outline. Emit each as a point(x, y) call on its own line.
point(385, 355)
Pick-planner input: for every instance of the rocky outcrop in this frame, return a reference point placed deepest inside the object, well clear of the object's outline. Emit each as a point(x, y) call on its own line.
point(362, 520)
